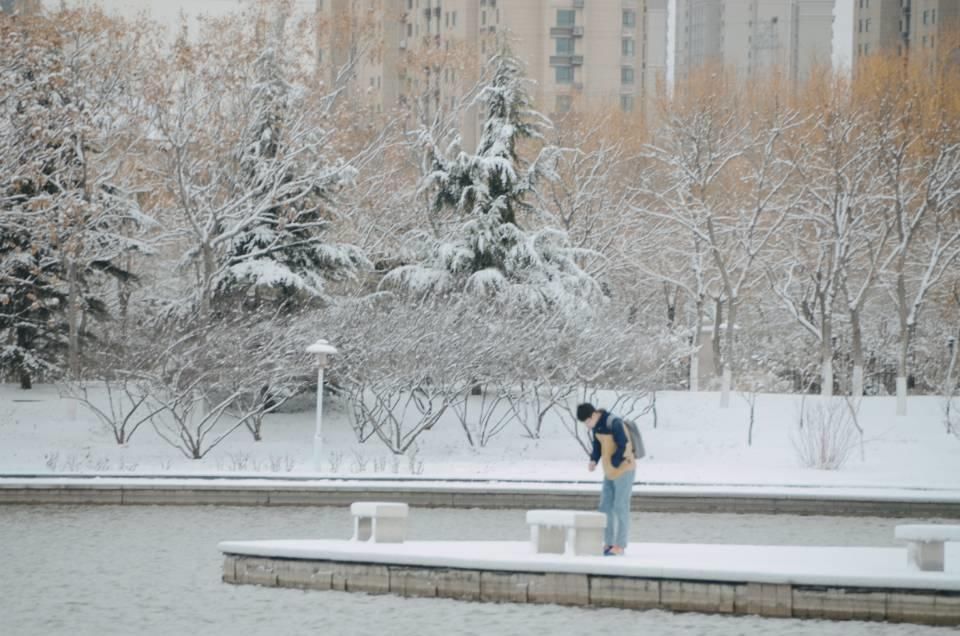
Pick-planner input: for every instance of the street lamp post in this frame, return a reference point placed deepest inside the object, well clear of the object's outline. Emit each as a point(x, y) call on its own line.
point(322, 349)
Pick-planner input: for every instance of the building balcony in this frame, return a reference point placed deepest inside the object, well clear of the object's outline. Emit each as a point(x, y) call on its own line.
point(566, 60)
point(577, 31)
point(561, 32)
point(578, 4)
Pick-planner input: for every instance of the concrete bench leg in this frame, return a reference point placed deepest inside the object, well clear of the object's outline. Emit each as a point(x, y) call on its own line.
point(548, 540)
point(389, 530)
point(589, 542)
point(926, 555)
point(362, 528)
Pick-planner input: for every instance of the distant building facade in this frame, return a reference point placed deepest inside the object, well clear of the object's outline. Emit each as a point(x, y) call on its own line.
point(20, 7)
point(619, 54)
point(868, 27)
point(579, 53)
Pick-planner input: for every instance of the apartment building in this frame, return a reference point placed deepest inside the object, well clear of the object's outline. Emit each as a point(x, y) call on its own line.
point(20, 7)
point(866, 27)
point(928, 22)
point(749, 36)
point(428, 53)
point(617, 54)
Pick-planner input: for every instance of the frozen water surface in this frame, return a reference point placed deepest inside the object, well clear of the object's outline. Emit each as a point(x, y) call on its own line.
point(156, 570)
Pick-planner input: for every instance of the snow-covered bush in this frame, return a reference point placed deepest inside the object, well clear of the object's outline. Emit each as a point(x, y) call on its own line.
point(121, 404)
point(828, 434)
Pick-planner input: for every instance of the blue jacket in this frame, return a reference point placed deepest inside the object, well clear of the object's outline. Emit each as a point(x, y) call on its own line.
point(612, 425)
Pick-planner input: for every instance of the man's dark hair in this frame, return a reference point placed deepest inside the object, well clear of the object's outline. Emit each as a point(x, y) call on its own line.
point(584, 411)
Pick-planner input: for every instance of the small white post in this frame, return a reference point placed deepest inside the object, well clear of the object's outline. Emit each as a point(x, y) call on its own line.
point(323, 349)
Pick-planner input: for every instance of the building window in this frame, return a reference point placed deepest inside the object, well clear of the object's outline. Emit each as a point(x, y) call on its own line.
point(866, 25)
point(629, 18)
point(409, 30)
point(483, 18)
point(925, 13)
point(628, 47)
point(933, 16)
point(566, 17)
point(320, 56)
point(453, 18)
point(626, 75)
point(564, 46)
point(564, 74)
point(626, 103)
point(564, 103)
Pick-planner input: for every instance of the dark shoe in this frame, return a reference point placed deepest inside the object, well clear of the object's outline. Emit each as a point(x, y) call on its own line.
point(607, 550)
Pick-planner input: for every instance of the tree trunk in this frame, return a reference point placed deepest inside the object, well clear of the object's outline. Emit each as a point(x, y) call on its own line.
point(904, 347)
point(694, 371)
point(695, 351)
point(904, 344)
point(209, 263)
point(826, 358)
point(73, 318)
point(856, 389)
point(728, 359)
point(23, 343)
point(717, 321)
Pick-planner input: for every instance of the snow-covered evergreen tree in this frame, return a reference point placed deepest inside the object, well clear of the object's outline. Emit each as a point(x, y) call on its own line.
point(488, 236)
point(250, 168)
point(282, 246)
point(32, 296)
point(62, 196)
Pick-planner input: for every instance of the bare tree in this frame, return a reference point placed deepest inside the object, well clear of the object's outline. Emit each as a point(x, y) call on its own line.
point(917, 136)
point(728, 182)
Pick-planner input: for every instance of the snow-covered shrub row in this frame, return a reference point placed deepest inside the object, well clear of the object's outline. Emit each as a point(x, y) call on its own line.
point(400, 382)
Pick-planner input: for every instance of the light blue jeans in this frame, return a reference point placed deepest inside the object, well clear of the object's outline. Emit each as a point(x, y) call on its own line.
point(615, 502)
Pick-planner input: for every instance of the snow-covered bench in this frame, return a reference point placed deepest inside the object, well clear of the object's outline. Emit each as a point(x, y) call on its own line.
point(571, 532)
point(379, 521)
point(925, 544)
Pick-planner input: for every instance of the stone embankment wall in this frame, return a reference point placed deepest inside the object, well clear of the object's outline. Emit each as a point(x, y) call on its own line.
point(771, 600)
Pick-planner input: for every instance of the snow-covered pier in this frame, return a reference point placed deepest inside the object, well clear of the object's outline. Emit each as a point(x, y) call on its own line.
point(836, 583)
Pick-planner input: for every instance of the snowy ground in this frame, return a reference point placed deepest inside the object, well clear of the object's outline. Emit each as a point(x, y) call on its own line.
point(695, 442)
